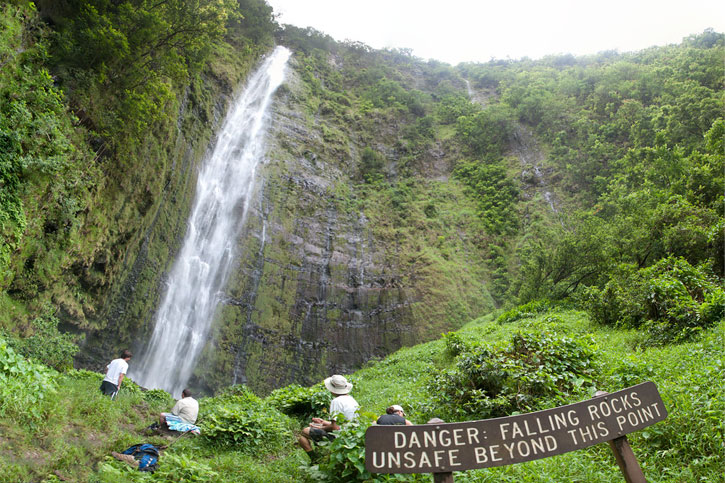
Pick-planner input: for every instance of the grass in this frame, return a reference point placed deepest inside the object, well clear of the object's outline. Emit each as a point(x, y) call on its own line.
point(81, 427)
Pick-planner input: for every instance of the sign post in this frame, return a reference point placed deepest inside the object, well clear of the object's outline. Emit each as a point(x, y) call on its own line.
point(627, 461)
point(447, 447)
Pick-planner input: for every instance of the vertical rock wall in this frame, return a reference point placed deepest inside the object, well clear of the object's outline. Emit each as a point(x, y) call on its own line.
point(316, 292)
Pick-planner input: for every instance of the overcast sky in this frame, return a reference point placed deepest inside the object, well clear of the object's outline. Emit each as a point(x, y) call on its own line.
point(468, 30)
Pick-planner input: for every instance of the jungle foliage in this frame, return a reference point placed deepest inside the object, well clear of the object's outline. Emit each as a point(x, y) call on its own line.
point(93, 97)
point(626, 166)
point(615, 208)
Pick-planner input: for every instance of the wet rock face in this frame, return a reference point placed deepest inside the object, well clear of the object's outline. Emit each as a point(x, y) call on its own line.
point(315, 293)
point(325, 278)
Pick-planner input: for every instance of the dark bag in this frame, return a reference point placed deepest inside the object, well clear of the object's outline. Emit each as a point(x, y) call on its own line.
point(147, 456)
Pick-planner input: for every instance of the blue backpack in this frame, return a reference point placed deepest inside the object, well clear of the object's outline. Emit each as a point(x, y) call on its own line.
point(147, 456)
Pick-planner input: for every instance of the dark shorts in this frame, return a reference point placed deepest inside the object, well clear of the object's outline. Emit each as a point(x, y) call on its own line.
point(108, 388)
point(317, 434)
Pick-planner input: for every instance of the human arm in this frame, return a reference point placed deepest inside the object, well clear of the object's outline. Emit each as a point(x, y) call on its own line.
point(324, 424)
point(177, 408)
point(120, 379)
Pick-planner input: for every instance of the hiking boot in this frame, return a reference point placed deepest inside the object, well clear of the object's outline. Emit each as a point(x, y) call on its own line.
point(314, 457)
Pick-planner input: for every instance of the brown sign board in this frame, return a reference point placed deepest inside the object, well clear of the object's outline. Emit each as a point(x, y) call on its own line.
point(447, 447)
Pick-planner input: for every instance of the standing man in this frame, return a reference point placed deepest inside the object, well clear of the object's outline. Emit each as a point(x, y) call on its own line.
point(342, 404)
point(115, 372)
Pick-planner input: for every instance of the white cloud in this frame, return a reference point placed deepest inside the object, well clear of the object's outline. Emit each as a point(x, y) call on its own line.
point(467, 30)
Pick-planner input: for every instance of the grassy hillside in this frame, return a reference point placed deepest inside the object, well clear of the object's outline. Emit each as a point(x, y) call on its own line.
point(440, 191)
point(71, 428)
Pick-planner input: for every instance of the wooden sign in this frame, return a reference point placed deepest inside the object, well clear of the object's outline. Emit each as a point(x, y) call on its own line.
point(447, 447)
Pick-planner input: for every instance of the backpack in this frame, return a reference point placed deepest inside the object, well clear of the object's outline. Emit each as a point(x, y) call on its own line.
point(147, 456)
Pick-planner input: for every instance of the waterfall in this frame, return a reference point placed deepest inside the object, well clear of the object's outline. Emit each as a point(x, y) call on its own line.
point(468, 88)
point(224, 186)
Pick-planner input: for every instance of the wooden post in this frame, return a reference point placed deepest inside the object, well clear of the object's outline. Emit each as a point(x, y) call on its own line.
point(442, 477)
point(624, 455)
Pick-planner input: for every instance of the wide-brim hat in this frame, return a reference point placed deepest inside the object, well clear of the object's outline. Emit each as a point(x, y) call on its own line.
point(337, 384)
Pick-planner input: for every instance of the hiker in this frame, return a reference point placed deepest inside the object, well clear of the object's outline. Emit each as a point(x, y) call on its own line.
point(394, 415)
point(183, 415)
point(342, 404)
point(115, 372)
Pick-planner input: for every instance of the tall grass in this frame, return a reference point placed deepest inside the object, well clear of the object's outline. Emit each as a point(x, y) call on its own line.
point(75, 427)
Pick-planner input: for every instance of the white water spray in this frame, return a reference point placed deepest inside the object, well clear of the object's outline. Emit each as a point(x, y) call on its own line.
point(223, 188)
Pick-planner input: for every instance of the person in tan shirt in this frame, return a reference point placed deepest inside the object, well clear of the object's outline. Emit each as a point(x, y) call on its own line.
point(186, 409)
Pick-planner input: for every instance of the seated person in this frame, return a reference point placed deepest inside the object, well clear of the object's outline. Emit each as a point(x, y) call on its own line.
point(342, 404)
point(394, 415)
point(183, 415)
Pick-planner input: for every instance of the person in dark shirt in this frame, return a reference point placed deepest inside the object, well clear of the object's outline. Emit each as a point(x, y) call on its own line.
point(394, 415)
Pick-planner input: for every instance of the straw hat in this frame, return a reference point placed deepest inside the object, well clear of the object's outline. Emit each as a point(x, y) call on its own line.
point(337, 384)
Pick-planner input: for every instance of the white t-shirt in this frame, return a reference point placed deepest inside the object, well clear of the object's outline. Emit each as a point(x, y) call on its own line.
point(115, 369)
point(345, 405)
point(187, 409)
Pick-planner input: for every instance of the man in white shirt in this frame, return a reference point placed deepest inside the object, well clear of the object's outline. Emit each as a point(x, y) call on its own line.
point(342, 406)
point(184, 412)
point(115, 372)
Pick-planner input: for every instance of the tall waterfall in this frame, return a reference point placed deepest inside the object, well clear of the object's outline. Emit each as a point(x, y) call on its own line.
point(224, 185)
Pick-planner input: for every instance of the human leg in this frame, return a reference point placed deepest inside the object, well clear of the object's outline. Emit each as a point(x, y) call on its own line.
point(304, 440)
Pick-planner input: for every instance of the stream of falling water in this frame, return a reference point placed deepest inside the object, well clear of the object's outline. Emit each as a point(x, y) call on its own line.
point(199, 274)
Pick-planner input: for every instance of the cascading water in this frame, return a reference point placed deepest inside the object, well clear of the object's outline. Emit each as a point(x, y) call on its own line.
point(224, 185)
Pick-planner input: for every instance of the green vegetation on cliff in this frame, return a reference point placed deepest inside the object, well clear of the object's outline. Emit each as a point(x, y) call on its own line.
point(107, 107)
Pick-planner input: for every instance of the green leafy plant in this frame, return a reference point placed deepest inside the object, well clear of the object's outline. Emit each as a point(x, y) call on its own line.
point(531, 309)
point(24, 385)
point(536, 370)
point(671, 299)
point(157, 396)
point(47, 344)
point(183, 467)
point(300, 402)
point(346, 458)
point(240, 419)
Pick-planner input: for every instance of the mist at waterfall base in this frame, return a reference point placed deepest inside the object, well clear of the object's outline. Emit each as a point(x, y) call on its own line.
point(201, 270)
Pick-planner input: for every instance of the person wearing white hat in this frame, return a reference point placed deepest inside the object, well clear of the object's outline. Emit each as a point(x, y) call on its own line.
point(394, 415)
point(343, 404)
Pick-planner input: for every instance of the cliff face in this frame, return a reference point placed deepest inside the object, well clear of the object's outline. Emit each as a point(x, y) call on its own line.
point(132, 299)
point(325, 281)
point(332, 270)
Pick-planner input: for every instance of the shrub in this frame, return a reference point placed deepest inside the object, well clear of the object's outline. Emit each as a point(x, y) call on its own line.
point(671, 299)
point(300, 402)
point(346, 459)
point(531, 309)
point(24, 385)
point(239, 418)
point(536, 370)
point(47, 344)
point(158, 397)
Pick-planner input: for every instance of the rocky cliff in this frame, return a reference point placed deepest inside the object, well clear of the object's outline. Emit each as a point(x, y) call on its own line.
point(327, 279)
